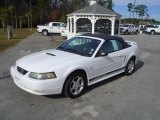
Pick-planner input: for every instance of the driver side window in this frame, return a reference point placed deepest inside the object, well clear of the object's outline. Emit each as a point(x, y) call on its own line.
point(111, 46)
point(107, 47)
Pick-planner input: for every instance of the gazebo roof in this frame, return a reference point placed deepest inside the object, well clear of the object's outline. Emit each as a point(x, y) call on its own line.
point(95, 9)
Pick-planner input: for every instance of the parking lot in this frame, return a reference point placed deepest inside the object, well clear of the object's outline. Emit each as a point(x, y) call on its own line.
point(134, 97)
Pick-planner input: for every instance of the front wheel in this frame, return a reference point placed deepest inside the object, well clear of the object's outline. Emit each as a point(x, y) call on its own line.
point(152, 32)
point(75, 85)
point(130, 67)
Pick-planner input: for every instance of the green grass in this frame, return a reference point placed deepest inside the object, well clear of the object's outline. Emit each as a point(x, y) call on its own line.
point(18, 35)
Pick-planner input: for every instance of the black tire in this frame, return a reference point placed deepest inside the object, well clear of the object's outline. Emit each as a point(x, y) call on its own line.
point(126, 32)
point(152, 32)
point(130, 67)
point(75, 85)
point(136, 32)
point(44, 32)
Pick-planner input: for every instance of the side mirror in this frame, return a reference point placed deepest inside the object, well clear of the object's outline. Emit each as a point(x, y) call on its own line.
point(101, 54)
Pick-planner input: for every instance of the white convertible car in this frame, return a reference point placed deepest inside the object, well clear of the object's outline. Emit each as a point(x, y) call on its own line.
point(74, 65)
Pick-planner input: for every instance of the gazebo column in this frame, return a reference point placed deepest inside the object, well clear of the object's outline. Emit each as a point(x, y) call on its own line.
point(93, 23)
point(113, 26)
point(68, 24)
point(75, 24)
point(71, 25)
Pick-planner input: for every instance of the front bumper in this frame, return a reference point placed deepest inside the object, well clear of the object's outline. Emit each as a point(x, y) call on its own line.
point(38, 87)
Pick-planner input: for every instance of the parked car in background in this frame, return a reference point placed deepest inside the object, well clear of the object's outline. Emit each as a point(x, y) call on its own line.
point(52, 27)
point(142, 27)
point(129, 28)
point(152, 29)
point(64, 33)
point(80, 30)
point(79, 62)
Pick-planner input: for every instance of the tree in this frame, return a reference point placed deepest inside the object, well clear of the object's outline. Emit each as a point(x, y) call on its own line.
point(3, 17)
point(44, 6)
point(20, 21)
point(11, 9)
point(142, 10)
point(75, 4)
point(16, 21)
point(107, 3)
point(130, 6)
point(28, 15)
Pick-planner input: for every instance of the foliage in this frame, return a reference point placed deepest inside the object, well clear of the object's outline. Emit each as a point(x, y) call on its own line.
point(44, 11)
point(141, 10)
point(4, 17)
point(138, 21)
point(130, 7)
point(107, 3)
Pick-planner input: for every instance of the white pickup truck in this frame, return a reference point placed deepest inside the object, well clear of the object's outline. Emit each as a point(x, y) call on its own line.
point(52, 27)
point(129, 28)
point(152, 29)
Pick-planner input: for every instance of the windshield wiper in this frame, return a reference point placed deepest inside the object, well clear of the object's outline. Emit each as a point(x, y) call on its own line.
point(60, 48)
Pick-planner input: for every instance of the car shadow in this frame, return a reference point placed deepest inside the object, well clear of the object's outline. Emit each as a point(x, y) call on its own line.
point(58, 96)
point(139, 65)
point(5, 75)
point(54, 34)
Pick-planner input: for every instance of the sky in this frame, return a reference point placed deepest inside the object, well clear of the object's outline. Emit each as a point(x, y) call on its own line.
point(120, 6)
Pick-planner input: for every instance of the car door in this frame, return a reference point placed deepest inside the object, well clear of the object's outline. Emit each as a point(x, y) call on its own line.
point(115, 59)
point(62, 26)
point(54, 27)
point(159, 29)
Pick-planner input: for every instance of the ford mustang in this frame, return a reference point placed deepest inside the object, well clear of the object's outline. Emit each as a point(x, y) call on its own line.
point(77, 63)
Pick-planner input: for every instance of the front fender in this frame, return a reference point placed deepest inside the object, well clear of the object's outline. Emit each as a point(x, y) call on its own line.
point(71, 69)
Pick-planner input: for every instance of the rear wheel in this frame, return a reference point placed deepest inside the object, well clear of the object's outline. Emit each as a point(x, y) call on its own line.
point(152, 32)
point(130, 67)
point(75, 85)
point(44, 32)
point(136, 32)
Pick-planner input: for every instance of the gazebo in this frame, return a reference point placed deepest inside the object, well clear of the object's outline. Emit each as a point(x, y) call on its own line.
point(97, 18)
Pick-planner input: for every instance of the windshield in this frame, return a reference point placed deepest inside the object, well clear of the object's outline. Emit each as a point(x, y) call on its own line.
point(80, 45)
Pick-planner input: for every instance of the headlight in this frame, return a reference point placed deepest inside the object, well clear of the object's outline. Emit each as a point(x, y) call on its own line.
point(42, 76)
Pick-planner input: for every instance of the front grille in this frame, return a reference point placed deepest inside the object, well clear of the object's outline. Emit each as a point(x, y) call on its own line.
point(21, 70)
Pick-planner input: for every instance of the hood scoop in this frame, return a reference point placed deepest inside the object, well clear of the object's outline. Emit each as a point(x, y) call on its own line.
point(50, 54)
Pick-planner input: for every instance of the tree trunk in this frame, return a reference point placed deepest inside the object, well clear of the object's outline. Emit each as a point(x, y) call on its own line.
point(31, 23)
point(28, 22)
point(3, 24)
point(12, 20)
point(20, 24)
point(16, 24)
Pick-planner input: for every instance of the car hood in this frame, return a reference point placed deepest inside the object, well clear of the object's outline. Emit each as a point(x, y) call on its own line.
point(42, 61)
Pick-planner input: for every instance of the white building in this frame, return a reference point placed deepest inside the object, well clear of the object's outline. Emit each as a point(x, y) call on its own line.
point(94, 18)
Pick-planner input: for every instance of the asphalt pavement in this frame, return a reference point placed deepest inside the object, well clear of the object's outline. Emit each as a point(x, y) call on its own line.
point(135, 97)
